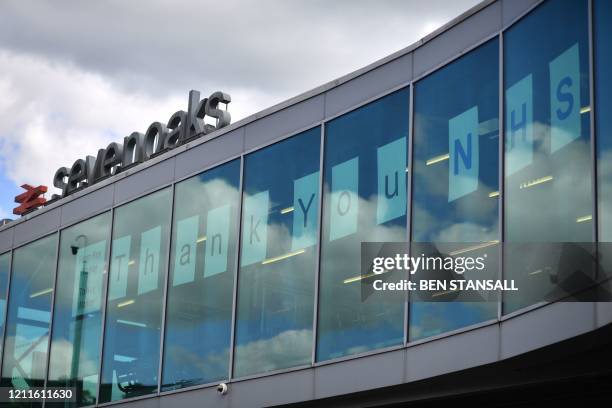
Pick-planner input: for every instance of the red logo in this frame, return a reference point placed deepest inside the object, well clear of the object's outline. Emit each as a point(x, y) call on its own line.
point(30, 199)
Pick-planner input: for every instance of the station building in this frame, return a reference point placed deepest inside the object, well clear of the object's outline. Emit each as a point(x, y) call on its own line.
point(235, 258)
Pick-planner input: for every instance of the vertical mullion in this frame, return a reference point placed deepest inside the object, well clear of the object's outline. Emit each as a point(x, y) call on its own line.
point(162, 333)
point(592, 119)
point(8, 293)
point(315, 317)
point(410, 171)
point(236, 272)
point(105, 285)
point(501, 172)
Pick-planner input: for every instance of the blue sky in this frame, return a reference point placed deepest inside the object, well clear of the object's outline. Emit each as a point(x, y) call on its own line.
point(8, 191)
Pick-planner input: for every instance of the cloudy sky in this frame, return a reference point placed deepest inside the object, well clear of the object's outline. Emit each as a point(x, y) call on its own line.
point(75, 75)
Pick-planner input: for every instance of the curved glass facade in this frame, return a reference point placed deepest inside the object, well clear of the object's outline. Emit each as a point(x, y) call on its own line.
point(278, 256)
point(201, 285)
point(456, 179)
point(253, 265)
point(548, 156)
point(364, 199)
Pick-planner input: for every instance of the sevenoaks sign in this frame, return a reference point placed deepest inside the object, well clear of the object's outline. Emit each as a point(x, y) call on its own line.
point(139, 147)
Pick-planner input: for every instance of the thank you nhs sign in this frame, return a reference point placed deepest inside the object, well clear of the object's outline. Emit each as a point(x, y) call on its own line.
point(564, 98)
point(564, 74)
point(463, 154)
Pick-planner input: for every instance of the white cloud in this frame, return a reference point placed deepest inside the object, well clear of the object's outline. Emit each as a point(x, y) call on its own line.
point(286, 349)
point(54, 113)
point(78, 75)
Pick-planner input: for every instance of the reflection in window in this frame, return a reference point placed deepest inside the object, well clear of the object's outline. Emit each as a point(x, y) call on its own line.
point(29, 314)
point(5, 265)
point(77, 322)
point(547, 149)
point(364, 200)
point(602, 15)
point(202, 267)
point(455, 184)
point(278, 256)
point(135, 295)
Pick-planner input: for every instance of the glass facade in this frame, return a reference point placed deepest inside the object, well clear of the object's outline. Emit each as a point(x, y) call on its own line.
point(5, 268)
point(602, 15)
point(253, 266)
point(364, 199)
point(139, 255)
point(278, 256)
point(74, 355)
point(548, 163)
point(456, 178)
point(26, 339)
point(201, 285)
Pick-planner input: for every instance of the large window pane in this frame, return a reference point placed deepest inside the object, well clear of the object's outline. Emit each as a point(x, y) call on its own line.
point(29, 314)
point(456, 183)
point(547, 150)
point(364, 200)
point(141, 231)
point(202, 267)
point(77, 315)
point(278, 256)
point(603, 96)
point(5, 267)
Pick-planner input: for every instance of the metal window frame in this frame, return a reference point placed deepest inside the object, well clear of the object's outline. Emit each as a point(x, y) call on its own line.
point(409, 210)
point(5, 317)
point(315, 317)
point(232, 345)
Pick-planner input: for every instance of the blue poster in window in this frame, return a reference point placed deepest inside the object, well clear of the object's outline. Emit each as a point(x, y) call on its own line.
point(305, 211)
point(344, 199)
point(565, 98)
point(117, 284)
point(185, 250)
point(391, 164)
point(255, 228)
point(88, 278)
point(463, 154)
point(148, 267)
point(519, 125)
point(217, 240)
